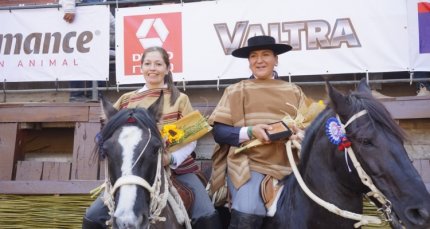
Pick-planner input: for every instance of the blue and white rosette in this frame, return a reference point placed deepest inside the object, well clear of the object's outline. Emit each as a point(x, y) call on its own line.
point(336, 135)
point(333, 130)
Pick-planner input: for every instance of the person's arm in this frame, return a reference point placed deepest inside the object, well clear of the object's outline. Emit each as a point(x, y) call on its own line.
point(181, 154)
point(69, 8)
point(230, 135)
point(234, 136)
point(175, 158)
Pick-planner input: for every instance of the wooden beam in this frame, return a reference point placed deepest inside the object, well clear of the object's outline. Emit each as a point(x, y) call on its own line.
point(44, 114)
point(48, 187)
point(95, 114)
point(408, 107)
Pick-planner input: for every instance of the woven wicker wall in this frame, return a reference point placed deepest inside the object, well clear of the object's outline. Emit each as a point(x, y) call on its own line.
point(42, 211)
point(63, 211)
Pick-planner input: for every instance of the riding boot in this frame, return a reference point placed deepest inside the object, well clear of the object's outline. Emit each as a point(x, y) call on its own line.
point(89, 224)
point(240, 220)
point(208, 222)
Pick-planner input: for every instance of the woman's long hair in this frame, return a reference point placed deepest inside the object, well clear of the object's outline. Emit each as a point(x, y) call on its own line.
point(168, 78)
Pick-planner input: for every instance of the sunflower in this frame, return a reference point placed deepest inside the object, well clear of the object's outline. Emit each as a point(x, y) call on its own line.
point(172, 133)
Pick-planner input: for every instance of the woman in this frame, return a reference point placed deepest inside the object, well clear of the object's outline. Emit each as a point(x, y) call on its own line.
point(243, 113)
point(157, 74)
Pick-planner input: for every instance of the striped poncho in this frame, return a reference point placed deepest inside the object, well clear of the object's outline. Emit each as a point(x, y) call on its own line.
point(248, 103)
point(171, 113)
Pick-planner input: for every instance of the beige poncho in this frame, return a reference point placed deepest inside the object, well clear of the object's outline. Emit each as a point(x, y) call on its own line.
point(248, 103)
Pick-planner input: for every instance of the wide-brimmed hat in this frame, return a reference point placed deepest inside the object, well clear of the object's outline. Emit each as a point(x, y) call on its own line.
point(259, 43)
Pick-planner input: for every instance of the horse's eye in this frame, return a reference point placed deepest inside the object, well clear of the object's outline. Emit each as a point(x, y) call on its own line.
point(365, 141)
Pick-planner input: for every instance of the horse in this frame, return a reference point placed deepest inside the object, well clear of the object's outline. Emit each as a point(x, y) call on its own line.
point(328, 170)
point(133, 147)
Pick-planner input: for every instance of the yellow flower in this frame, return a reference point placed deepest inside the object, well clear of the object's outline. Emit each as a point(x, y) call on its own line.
point(172, 133)
point(185, 130)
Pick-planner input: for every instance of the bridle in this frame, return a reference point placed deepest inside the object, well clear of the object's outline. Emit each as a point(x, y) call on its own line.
point(158, 200)
point(365, 179)
point(161, 191)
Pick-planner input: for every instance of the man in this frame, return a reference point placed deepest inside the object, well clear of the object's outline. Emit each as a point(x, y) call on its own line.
point(243, 113)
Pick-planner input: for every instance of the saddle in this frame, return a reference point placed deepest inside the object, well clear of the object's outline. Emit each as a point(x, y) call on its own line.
point(270, 190)
point(187, 194)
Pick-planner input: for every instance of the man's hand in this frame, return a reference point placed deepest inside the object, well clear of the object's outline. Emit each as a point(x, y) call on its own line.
point(259, 132)
point(69, 17)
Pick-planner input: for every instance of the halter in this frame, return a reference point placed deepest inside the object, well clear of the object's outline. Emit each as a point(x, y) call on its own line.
point(365, 179)
point(158, 200)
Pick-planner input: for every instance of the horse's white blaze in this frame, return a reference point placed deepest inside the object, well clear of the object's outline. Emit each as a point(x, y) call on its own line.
point(128, 139)
point(124, 211)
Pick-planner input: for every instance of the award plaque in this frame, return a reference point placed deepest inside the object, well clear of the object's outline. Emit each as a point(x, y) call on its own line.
point(279, 131)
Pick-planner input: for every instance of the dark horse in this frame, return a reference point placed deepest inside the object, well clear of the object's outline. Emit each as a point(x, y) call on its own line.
point(131, 142)
point(377, 142)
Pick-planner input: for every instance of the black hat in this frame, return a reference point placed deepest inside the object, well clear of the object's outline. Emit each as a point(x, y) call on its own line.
point(259, 43)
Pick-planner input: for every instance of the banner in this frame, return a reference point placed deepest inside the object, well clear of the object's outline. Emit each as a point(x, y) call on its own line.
point(419, 34)
point(343, 36)
point(38, 45)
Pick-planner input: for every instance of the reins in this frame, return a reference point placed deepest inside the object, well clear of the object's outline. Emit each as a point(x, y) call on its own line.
point(365, 179)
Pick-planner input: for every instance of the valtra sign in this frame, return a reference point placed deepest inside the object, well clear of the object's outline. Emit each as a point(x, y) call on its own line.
point(149, 30)
point(335, 38)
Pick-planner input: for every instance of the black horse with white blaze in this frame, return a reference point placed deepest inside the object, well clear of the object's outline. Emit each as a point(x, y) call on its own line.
point(132, 145)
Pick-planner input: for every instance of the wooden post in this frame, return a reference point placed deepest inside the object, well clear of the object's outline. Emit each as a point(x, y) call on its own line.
point(85, 165)
point(8, 134)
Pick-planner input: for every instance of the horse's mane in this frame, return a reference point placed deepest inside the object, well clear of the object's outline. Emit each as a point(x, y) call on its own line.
point(136, 116)
point(311, 133)
point(379, 116)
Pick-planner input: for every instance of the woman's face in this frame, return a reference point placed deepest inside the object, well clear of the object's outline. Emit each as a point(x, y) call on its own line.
point(262, 63)
point(154, 69)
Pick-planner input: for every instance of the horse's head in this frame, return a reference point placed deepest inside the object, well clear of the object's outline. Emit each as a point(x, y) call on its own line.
point(377, 142)
point(131, 142)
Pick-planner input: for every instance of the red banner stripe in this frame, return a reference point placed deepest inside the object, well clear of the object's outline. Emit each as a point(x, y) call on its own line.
point(424, 7)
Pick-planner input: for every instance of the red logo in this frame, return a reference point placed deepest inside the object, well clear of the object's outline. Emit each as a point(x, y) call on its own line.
point(144, 31)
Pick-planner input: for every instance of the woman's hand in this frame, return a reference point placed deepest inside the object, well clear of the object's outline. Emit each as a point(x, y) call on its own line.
point(298, 134)
point(167, 157)
point(259, 132)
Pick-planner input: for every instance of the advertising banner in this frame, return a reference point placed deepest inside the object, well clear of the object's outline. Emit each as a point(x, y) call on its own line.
point(327, 38)
point(419, 34)
point(344, 36)
point(38, 45)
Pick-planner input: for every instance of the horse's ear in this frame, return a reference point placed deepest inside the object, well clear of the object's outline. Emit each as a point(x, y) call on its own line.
point(338, 100)
point(156, 109)
point(363, 87)
point(107, 108)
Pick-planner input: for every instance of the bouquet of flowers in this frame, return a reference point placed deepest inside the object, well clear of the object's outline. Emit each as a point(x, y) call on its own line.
point(187, 129)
